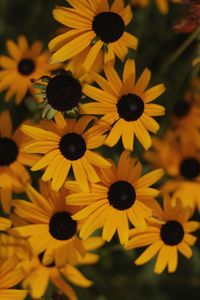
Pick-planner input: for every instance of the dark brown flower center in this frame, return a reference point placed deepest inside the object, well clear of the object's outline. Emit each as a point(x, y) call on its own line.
point(190, 168)
point(26, 66)
point(108, 26)
point(121, 195)
point(63, 92)
point(72, 146)
point(8, 151)
point(181, 109)
point(62, 226)
point(172, 233)
point(130, 107)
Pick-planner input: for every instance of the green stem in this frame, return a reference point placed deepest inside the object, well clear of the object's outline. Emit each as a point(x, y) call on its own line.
point(180, 50)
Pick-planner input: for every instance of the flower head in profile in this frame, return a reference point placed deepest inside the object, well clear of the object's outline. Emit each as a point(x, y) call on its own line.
point(13, 159)
point(120, 197)
point(126, 104)
point(67, 143)
point(166, 240)
point(24, 63)
point(35, 270)
point(94, 24)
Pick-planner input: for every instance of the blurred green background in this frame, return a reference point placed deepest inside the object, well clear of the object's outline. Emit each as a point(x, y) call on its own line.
point(115, 276)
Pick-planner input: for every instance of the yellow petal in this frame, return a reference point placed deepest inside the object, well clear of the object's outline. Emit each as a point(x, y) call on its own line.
point(162, 260)
point(149, 253)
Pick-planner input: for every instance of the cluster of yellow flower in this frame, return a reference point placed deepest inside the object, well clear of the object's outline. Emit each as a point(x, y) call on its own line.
point(81, 191)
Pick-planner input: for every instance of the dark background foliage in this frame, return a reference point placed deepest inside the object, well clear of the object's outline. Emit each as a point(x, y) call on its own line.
point(115, 276)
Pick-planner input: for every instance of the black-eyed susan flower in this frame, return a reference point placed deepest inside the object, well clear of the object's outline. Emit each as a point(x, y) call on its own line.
point(50, 229)
point(126, 104)
point(119, 198)
point(176, 159)
point(166, 240)
point(35, 270)
point(61, 92)
point(24, 63)
point(95, 24)
point(182, 163)
point(13, 175)
point(186, 122)
point(11, 275)
point(66, 143)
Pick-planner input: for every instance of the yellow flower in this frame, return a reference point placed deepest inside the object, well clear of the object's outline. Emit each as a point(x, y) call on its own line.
point(67, 143)
point(167, 239)
point(120, 197)
point(61, 92)
point(180, 161)
point(25, 63)
point(11, 275)
point(36, 271)
point(95, 24)
point(38, 277)
point(125, 104)
point(186, 122)
point(13, 175)
point(50, 229)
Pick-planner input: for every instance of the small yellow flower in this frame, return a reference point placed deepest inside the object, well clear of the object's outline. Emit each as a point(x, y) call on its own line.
point(66, 143)
point(35, 270)
point(94, 24)
point(39, 276)
point(186, 122)
point(125, 104)
point(120, 197)
point(182, 163)
point(25, 63)
point(50, 228)
point(165, 240)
